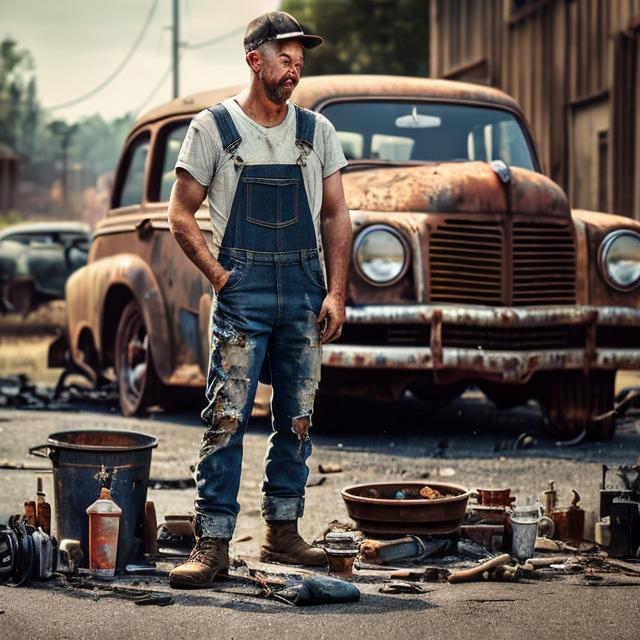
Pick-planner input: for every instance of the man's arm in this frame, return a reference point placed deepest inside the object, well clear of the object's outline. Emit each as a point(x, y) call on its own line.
point(335, 226)
point(186, 197)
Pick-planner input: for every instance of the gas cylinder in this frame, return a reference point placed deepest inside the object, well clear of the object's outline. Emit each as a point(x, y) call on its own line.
point(104, 525)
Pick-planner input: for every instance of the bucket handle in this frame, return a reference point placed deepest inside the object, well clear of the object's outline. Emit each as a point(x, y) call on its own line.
point(36, 451)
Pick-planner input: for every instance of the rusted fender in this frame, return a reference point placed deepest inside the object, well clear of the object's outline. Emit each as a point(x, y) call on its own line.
point(605, 222)
point(454, 187)
point(86, 293)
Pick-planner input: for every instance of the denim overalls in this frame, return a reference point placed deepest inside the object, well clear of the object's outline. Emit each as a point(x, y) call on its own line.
point(265, 320)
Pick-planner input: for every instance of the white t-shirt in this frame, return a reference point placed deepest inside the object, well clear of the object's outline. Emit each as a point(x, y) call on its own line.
point(203, 157)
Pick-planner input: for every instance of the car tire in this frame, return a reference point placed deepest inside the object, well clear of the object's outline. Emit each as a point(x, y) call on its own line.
point(572, 399)
point(136, 375)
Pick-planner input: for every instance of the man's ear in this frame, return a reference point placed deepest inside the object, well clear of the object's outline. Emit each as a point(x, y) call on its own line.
point(254, 60)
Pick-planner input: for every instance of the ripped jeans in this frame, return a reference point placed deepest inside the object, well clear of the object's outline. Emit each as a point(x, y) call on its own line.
point(268, 308)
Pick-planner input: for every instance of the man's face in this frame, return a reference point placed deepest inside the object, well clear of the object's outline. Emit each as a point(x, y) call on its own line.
point(280, 70)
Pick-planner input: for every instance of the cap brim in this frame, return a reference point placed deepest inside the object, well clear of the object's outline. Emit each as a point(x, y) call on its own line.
point(311, 42)
point(308, 41)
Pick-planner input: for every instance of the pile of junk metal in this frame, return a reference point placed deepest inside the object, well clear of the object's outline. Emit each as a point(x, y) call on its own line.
point(401, 534)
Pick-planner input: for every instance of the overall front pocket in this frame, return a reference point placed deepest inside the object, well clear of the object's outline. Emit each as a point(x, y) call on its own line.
point(272, 202)
point(313, 270)
point(238, 269)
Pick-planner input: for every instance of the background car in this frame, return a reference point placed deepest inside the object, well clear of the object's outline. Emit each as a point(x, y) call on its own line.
point(468, 266)
point(36, 259)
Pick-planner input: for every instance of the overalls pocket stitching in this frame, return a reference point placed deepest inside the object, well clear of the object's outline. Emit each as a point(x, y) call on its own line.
point(276, 183)
point(237, 267)
point(316, 278)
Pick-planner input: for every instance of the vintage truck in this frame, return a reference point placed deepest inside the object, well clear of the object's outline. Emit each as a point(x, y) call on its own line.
point(468, 265)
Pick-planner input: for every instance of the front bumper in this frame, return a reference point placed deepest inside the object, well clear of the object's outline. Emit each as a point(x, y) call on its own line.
point(509, 365)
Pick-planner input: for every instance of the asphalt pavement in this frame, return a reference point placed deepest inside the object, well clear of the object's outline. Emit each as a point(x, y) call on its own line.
point(469, 443)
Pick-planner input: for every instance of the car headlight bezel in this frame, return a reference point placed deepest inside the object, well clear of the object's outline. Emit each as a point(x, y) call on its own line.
point(357, 244)
point(603, 252)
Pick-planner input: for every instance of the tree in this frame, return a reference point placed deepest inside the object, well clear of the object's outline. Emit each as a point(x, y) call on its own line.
point(367, 36)
point(19, 112)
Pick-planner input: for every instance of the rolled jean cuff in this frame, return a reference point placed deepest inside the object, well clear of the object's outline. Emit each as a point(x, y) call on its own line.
point(214, 526)
point(278, 508)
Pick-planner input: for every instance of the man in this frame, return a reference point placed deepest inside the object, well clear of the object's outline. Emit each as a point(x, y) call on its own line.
point(272, 174)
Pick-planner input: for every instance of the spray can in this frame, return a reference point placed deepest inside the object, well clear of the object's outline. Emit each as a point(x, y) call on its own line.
point(104, 525)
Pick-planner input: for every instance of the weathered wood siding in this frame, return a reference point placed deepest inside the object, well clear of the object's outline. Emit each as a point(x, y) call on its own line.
point(573, 66)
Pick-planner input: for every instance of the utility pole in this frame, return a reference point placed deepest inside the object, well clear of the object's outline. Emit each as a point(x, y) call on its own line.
point(176, 48)
point(65, 132)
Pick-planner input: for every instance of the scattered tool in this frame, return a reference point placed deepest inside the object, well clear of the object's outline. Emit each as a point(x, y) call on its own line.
point(401, 586)
point(141, 597)
point(467, 575)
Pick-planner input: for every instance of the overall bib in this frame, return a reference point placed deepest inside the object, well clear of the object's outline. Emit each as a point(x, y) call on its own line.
point(265, 319)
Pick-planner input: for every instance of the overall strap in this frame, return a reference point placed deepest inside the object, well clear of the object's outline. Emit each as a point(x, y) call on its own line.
point(229, 135)
point(305, 130)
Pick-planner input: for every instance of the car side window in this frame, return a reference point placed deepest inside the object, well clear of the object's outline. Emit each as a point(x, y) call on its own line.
point(166, 154)
point(28, 239)
point(132, 185)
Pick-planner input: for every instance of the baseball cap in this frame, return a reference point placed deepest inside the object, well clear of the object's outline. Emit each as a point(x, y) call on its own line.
point(277, 25)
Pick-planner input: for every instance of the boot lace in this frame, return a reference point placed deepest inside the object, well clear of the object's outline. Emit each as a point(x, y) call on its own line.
point(207, 551)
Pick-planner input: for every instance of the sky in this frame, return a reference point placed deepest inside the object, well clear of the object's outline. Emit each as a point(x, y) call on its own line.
point(77, 44)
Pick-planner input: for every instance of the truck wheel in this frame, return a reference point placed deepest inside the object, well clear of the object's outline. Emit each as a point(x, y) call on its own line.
point(572, 399)
point(137, 380)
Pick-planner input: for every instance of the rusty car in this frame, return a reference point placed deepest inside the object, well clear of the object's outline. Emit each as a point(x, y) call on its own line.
point(36, 258)
point(469, 267)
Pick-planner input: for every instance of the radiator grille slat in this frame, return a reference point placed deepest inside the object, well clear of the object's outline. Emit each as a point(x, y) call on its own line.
point(543, 264)
point(466, 263)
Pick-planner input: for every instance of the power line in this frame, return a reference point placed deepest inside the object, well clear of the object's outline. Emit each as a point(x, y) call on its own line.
point(216, 40)
point(167, 72)
point(155, 90)
point(118, 69)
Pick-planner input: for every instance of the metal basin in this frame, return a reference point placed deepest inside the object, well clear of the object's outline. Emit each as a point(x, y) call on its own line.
point(386, 515)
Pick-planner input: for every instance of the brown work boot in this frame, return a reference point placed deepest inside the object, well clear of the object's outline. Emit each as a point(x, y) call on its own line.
point(209, 557)
point(282, 543)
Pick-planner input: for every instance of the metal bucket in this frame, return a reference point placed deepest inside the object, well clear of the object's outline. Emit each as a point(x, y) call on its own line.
point(78, 458)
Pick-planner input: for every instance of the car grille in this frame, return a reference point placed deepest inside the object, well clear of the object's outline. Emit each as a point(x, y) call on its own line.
point(544, 269)
point(466, 337)
point(513, 338)
point(467, 261)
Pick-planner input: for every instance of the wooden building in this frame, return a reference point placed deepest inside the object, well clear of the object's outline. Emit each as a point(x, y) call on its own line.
point(574, 66)
point(8, 177)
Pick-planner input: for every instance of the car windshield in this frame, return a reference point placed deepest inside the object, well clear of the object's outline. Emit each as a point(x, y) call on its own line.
point(405, 131)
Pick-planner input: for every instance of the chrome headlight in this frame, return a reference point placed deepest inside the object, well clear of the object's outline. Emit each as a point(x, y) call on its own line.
point(381, 255)
point(619, 259)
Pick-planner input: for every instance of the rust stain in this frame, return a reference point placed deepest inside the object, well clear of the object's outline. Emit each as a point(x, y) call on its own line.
point(454, 187)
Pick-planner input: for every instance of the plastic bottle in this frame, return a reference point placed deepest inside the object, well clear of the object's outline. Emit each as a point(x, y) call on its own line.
point(104, 525)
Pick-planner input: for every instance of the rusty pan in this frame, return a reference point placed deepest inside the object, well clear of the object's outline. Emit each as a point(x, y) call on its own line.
point(384, 514)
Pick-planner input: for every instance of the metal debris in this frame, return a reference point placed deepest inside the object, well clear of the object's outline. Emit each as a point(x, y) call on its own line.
point(401, 586)
point(329, 467)
point(17, 392)
point(141, 597)
point(467, 575)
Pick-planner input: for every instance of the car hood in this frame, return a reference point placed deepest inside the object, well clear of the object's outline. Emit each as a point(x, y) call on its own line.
point(454, 187)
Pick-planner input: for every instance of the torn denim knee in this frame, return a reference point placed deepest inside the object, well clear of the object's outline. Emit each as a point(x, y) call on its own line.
point(227, 388)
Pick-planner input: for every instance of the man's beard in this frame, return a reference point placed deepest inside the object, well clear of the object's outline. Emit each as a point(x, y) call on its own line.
point(276, 91)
